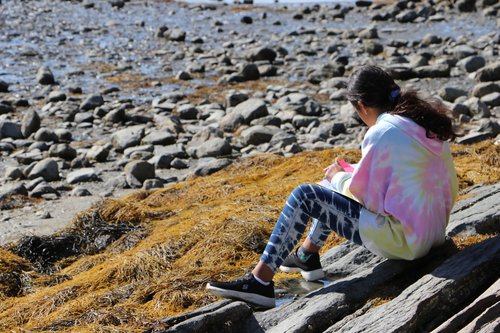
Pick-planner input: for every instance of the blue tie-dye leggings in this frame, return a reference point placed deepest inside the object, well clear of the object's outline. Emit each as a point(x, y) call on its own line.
point(329, 210)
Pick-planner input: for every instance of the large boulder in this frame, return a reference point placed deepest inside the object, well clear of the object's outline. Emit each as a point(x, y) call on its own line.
point(127, 137)
point(47, 169)
point(251, 109)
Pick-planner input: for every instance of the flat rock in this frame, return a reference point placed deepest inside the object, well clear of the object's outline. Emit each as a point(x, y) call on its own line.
point(489, 73)
point(82, 175)
point(47, 169)
point(214, 148)
point(127, 137)
point(251, 109)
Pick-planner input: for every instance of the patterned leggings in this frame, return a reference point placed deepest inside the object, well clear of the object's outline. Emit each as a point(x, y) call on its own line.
point(329, 210)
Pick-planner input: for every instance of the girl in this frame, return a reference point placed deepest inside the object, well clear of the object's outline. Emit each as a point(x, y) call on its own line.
point(396, 202)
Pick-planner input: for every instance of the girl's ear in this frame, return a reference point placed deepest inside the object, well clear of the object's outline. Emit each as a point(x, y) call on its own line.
point(362, 108)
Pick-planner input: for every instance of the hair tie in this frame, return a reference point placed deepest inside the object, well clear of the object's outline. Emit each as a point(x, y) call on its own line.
point(394, 95)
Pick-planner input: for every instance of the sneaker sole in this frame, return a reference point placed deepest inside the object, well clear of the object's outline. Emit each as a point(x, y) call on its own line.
point(255, 299)
point(307, 275)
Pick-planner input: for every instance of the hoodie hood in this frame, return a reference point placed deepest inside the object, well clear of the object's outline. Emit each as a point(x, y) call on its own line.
point(415, 131)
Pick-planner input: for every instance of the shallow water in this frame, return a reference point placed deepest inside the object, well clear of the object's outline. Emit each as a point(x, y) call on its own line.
point(92, 47)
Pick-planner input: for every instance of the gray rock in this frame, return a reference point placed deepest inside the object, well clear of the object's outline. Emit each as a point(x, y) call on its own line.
point(160, 137)
point(211, 166)
point(56, 96)
point(44, 76)
point(372, 47)
point(466, 5)
point(489, 73)
point(476, 213)
point(176, 35)
point(91, 102)
point(43, 189)
point(9, 129)
point(6, 108)
point(179, 163)
point(127, 137)
point(16, 189)
point(492, 99)
point(46, 135)
point(63, 151)
point(4, 86)
point(14, 173)
point(115, 116)
point(482, 89)
point(407, 16)
point(63, 135)
point(30, 123)
point(472, 63)
point(257, 135)
point(136, 172)
point(184, 76)
point(47, 169)
point(250, 72)
point(150, 184)
point(477, 107)
point(214, 148)
point(304, 121)
point(162, 161)
point(433, 71)
point(98, 153)
point(234, 98)
point(262, 54)
point(188, 112)
point(459, 278)
point(468, 321)
point(144, 148)
point(82, 175)
point(231, 122)
point(450, 94)
point(84, 117)
point(80, 192)
point(251, 109)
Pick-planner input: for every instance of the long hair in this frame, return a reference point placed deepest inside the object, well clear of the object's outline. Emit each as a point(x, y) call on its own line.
point(373, 87)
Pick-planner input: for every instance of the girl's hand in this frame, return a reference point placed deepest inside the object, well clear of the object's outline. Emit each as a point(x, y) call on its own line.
point(331, 170)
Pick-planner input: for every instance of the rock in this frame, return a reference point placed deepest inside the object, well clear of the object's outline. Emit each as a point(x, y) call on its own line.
point(4, 86)
point(234, 98)
point(16, 189)
point(472, 63)
point(14, 173)
point(368, 33)
point(184, 76)
point(459, 278)
point(160, 137)
point(430, 39)
point(479, 316)
point(63, 135)
point(80, 192)
point(250, 72)
point(98, 153)
point(91, 102)
point(433, 71)
point(262, 54)
point(82, 175)
point(30, 123)
point(407, 16)
point(483, 89)
point(231, 122)
point(136, 172)
point(115, 116)
point(489, 73)
point(56, 96)
point(178, 163)
point(299, 121)
point(176, 35)
point(492, 99)
point(211, 166)
point(476, 214)
point(6, 108)
point(466, 5)
point(251, 109)
point(246, 19)
point(44, 76)
point(43, 189)
point(188, 111)
point(162, 161)
point(46, 135)
point(150, 184)
point(63, 151)
point(257, 135)
point(127, 137)
point(47, 169)
point(9, 129)
point(214, 148)
point(450, 94)
point(477, 107)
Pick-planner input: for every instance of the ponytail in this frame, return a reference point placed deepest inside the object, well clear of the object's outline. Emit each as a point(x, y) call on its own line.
point(432, 115)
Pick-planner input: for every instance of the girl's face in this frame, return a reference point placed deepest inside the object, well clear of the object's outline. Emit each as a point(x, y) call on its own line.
point(368, 114)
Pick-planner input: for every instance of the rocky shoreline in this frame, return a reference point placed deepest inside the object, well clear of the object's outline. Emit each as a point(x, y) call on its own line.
point(98, 98)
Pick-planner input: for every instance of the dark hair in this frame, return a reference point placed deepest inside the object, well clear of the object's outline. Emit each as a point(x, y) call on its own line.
point(373, 87)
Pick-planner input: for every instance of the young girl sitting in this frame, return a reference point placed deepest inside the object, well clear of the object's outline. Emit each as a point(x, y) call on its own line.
point(396, 202)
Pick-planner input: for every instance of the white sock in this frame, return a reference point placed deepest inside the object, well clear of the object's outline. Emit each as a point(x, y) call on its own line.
point(260, 281)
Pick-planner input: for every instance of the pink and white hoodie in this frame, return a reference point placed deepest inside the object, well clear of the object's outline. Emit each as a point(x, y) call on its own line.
point(407, 184)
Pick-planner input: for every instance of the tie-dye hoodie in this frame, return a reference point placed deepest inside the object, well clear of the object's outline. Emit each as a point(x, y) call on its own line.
point(407, 184)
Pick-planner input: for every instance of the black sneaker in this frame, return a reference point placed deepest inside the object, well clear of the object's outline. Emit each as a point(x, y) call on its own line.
point(311, 270)
point(247, 289)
